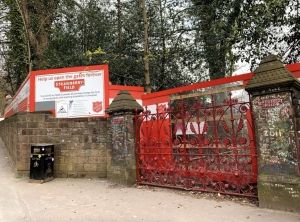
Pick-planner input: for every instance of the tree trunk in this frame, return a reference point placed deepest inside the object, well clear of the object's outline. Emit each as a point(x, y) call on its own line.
point(163, 41)
point(27, 34)
point(146, 46)
point(38, 33)
point(119, 15)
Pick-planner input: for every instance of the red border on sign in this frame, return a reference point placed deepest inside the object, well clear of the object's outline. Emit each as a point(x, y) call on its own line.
point(31, 92)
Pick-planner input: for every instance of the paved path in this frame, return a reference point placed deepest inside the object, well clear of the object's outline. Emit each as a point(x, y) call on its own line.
point(96, 200)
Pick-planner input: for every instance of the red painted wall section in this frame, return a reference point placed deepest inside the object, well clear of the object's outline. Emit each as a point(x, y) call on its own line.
point(136, 92)
point(155, 100)
point(20, 101)
point(164, 96)
point(295, 69)
point(199, 85)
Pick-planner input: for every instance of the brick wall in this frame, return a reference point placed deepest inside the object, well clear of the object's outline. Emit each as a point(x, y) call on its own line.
point(80, 144)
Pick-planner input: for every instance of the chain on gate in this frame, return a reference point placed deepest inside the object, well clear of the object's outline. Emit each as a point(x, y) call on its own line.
point(198, 144)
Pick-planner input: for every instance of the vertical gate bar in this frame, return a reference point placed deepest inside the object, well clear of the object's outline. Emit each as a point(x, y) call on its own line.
point(137, 153)
point(184, 141)
point(200, 136)
point(216, 136)
point(200, 142)
point(146, 155)
point(170, 139)
point(253, 141)
point(157, 150)
point(233, 134)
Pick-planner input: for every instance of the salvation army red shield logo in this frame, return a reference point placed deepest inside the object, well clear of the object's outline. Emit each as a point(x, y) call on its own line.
point(97, 107)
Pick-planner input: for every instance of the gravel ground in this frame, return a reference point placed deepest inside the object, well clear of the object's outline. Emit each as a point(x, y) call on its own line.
point(98, 200)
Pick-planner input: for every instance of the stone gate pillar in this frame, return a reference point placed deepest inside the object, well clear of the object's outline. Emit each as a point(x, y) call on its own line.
point(275, 101)
point(121, 164)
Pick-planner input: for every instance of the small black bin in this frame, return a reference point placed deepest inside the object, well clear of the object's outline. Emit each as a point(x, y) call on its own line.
point(42, 162)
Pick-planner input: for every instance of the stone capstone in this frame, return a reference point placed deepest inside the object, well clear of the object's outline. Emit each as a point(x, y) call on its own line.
point(124, 102)
point(271, 72)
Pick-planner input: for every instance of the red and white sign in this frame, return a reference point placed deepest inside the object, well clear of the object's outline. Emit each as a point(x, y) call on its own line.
point(69, 85)
point(76, 93)
point(20, 102)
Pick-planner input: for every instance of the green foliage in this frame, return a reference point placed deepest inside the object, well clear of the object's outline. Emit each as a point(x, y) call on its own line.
point(263, 23)
point(16, 60)
point(86, 35)
point(218, 30)
point(189, 40)
point(224, 25)
point(79, 33)
point(173, 56)
point(293, 37)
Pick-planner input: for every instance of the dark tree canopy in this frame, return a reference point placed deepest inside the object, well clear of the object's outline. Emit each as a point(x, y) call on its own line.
point(187, 40)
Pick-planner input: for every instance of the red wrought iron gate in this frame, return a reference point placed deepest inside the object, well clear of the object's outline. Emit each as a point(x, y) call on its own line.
point(201, 143)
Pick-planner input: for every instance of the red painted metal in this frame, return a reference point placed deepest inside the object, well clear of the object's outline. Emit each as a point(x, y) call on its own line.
point(246, 77)
point(199, 85)
point(201, 143)
point(294, 69)
point(136, 91)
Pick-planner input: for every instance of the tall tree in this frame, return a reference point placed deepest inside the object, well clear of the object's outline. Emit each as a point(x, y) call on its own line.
point(119, 18)
point(16, 55)
point(37, 17)
point(293, 37)
point(146, 46)
point(30, 23)
point(173, 58)
point(217, 26)
point(226, 24)
point(170, 42)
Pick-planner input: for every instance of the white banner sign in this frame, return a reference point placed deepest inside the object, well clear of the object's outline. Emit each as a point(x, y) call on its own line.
point(76, 94)
point(21, 100)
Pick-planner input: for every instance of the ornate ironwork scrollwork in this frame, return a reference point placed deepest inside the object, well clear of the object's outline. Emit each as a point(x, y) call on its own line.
point(198, 144)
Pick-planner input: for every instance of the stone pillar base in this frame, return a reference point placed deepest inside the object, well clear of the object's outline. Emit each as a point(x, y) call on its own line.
point(121, 163)
point(275, 97)
point(279, 192)
point(122, 176)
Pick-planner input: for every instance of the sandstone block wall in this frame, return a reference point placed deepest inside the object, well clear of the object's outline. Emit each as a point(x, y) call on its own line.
point(80, 144)
point(121, 165)
point(9, 135)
